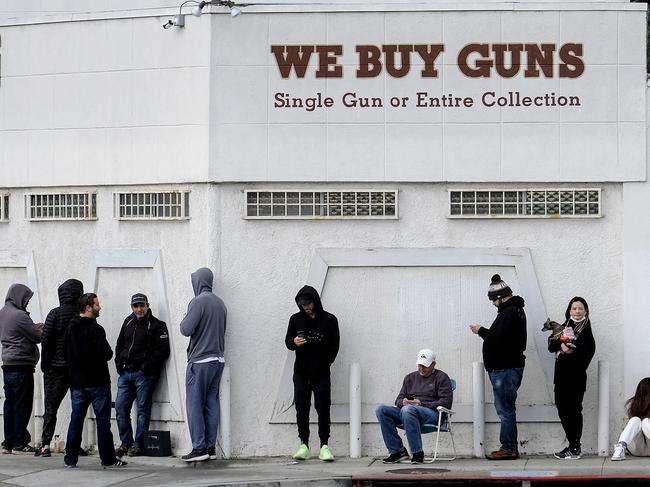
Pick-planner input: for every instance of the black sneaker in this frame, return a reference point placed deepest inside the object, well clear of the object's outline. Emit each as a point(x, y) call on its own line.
point(396, 457)
point(212, 452)
point(43, 451)
point(82, 452)
point(118, 463)
point(568, 454)
point(196, 455)
point(418, 457)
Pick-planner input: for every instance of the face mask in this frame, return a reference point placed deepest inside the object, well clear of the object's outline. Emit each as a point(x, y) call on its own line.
point(578, 320)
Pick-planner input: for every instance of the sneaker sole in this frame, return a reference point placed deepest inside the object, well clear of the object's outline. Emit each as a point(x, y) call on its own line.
point(326, 459)
point(200, 458)
point(212, 457)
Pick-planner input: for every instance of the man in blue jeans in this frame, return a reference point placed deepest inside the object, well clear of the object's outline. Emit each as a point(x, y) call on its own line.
point(141, 350)
point(416, 405)
point(87, 353)
point(504, 344)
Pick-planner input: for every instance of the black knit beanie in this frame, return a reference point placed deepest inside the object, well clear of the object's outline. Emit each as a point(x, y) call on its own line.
point(498, 289)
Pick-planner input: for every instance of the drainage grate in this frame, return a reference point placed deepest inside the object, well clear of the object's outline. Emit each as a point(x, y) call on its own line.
point(418, 471)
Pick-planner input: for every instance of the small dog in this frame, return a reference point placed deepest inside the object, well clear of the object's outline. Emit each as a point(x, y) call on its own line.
point(565, 334)
point(554, 326)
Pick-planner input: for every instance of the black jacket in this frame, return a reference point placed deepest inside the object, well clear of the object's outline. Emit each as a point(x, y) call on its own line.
point(87, 352)
point(142, 344)
point(571, 368)
point(313, 359)
point(52, 345)
point(504, 342)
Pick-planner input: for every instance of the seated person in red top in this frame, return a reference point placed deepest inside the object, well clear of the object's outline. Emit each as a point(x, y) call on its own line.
point(416, 405)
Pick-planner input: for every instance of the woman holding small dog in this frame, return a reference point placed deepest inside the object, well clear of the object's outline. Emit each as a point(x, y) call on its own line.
point(574, 348)
point(636, 434)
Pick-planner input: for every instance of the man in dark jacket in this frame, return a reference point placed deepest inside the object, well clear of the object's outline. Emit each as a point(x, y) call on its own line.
point(313, 334)
point(504, 344)
point(205, 324)
point(416, 405)
point(141, 350)
point(87, 353)
point(19, 336)
point(53, 365)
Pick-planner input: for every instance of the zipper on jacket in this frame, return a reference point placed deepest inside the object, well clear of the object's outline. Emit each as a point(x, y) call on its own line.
point(135, 329)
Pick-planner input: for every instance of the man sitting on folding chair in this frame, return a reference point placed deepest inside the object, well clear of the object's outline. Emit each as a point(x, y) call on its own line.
point(416, 405)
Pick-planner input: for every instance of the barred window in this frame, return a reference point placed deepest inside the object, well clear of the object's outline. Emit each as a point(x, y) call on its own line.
point(61, 206)
point(369, 204)
point(525, 203)
point(159, 205)
point(4, 207)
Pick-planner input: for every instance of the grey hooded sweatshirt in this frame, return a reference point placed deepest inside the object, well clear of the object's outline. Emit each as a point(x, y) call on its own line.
point(18, 333)
point(205, 321)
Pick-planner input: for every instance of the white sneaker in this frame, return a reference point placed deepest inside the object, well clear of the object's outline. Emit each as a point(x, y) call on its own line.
point(619, 452)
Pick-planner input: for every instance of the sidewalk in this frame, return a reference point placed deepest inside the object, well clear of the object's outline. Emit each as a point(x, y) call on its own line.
point(25, 470)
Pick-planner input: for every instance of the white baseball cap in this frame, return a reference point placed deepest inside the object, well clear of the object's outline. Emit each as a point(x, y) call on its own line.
point(426, 357)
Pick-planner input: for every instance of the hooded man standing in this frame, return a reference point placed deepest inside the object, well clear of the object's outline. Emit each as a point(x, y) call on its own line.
point(19, 336)
point(53, 364)
point(313, 334)
point(504, 344)
point(205, 324)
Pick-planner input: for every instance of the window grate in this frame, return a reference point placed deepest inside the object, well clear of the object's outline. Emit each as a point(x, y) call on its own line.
point(525, 203)
point(4, 207)
point(61, 206)
point(369, 204)
point(158, 205)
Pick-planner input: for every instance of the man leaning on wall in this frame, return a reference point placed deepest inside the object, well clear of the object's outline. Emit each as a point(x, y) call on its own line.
point(205, 324)
point(19, 336)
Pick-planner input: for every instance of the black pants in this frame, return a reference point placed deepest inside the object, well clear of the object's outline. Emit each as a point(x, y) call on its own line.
point(568, 400)
point(55, 384)
point(303, 387)
point(19, 395)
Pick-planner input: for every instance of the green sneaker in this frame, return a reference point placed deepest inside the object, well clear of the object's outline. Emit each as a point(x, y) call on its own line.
point(325, 454)
point(302, 453)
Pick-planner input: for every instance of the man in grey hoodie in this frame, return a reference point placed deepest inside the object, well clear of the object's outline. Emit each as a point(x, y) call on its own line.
point(19, 336)
point(205, 324)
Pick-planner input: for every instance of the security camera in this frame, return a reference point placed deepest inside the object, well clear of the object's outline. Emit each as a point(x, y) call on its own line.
point(168, 24)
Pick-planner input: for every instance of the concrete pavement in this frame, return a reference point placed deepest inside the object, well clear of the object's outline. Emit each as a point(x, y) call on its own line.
point(25, 470)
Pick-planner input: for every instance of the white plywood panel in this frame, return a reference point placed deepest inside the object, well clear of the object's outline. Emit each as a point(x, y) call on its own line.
point(170, 96)
point(596, 89)
point(631, 28)
point(292, 88)
point(16, 157)
point(241, 41)
point(243, 94)
point(41, 151)
point(518, 26)
point(632, 150)
point(292, 29)
point(531, 151)
point(297, 152)
point(422, 29)
point(242, 152)
point(532, 88)
point(355, 153)
point(631, 93)
point(597, 31)
point(414, 152)
point(14, 113)
point(577, 164)
point(119, 112)
point(472, 152)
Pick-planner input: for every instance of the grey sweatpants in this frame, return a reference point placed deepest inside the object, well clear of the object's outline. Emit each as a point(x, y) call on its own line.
point(202, 402)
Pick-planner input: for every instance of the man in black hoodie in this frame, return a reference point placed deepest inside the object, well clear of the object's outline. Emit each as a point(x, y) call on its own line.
point(504, 344)
point(87, 353)
point(53, 365)
point(313, 334)
point(141, 350)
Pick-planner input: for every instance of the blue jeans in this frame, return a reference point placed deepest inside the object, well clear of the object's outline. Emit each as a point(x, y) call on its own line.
point(19, 395)
point(202, 401)
point(100, 398)
point(505, 383)
point(411, 418)
point(134, 386)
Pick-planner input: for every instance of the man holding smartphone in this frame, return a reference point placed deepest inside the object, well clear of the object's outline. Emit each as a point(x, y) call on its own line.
point(416, 405)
